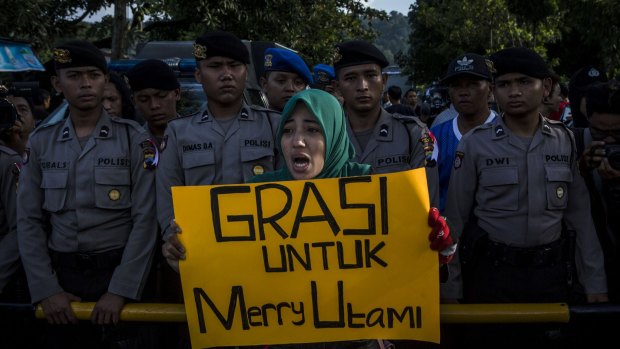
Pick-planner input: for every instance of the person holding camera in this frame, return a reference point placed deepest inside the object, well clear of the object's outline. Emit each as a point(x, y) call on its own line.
point(12, 145)
point(599, 164)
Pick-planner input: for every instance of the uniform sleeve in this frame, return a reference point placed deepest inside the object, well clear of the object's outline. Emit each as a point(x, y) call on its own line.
point(130, 275)
point(460, 201)
point(275, 122)
point(169, 174)
point(424, 154)
point(31, 233)
point(9, 253)
point(588, 253)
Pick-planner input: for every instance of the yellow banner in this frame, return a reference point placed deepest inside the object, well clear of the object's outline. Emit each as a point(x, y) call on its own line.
point(309, 261)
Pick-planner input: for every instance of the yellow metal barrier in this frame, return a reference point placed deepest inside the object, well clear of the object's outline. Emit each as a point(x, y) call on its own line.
point(152, 312)
point(450, 313)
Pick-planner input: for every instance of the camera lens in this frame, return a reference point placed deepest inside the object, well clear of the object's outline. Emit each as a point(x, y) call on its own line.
point(612, 152)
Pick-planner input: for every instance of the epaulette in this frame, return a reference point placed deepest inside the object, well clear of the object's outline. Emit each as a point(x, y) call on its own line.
point(129, 122)
point(183, 117)
point(263, 109)
point(408, 119)
point(482, 127)
point(46, 125)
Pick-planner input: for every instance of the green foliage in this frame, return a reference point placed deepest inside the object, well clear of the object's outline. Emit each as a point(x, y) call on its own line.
point(440, 32)
point(310, 27)
point(42, 22)
point(393, 35)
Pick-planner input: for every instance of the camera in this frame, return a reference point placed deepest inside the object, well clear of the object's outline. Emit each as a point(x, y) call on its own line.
point(8, 113)
point(612, 153)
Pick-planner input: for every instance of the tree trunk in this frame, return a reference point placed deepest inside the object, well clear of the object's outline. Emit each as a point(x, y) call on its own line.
point(119, 29)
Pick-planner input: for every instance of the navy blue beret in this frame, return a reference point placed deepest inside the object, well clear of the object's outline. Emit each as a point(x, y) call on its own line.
point(323, 73)
point(152, 73)
point(223, 44)
point(75, 54)
point(280, 59)
point(520, 60)
point(358, 52)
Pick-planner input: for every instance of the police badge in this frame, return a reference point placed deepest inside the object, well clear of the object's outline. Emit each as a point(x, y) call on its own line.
point(458, 159)
point(200, 51)
point(337, 56)
point(62, 55)
point(26, 156)
point(268, 61)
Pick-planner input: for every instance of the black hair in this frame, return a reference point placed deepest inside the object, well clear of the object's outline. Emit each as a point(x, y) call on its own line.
point(564, 89)
point(395, 92)
point(411, 90)
point(603, 98)
point(129, 111)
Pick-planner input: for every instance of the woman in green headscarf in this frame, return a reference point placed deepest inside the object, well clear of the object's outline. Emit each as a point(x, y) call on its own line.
point(314, 143)
point(313, 140)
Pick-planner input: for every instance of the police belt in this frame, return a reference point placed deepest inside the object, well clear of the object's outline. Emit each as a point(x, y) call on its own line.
point(537, 256)
point(87, 261)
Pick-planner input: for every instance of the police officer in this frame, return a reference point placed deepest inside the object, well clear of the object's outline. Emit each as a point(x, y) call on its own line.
point(228, 142)
point(285, 74)
point(387, 142)
point(85, 218)
point(469, 82)
point(324, 79)
point(514, 186)
point(156, 92)
point(12, 144)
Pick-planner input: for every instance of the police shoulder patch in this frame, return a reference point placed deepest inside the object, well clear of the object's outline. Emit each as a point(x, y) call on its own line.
point(431, 152)
point(458, 159)
point(150, 154)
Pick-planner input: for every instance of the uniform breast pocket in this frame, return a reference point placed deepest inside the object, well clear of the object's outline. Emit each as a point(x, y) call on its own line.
point(199, 167)
point(499, 189)
point(54, 183)
point(256, 161)
point(112, 188)
point(558, 180)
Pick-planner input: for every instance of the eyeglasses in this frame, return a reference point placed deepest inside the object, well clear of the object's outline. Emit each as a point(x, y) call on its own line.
point(599, 134)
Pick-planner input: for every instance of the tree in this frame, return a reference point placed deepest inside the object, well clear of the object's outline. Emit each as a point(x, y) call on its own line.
point(42, 22)
point(440, 32)
point(310, 27)
point(393, 38)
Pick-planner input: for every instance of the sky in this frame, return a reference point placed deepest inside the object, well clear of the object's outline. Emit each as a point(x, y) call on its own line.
point(401, 6)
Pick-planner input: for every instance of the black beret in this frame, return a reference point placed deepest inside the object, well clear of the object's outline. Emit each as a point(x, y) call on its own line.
point(585, 77)
point(470, 64)
point(520, 60)
point(223, 44)
point(74, 54)
point(152, 73)
point(358, 52)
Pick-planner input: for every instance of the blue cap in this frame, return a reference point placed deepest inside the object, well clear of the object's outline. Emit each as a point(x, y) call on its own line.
point(323, 74)
point(279, 59)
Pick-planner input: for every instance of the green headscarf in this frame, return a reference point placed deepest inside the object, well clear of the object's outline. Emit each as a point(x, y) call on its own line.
point(338, 149)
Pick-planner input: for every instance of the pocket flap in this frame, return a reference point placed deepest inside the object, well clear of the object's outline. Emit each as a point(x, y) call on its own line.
point(250, 154)
point(54, 179)
point(499, 176)
point(112, 176)
point(197, 159)
point(558, 174)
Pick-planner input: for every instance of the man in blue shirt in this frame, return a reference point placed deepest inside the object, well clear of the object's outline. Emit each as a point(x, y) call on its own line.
point(469, 83)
